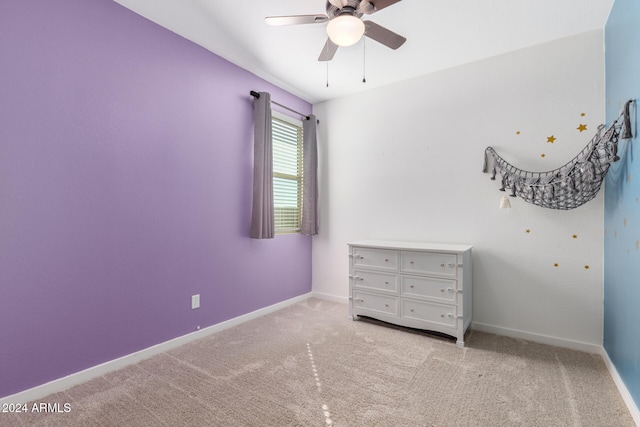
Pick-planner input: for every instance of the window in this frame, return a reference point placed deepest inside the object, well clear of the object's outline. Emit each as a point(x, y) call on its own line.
point(287, 173)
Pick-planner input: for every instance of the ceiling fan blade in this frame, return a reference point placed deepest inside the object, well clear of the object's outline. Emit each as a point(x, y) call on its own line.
point(383, 35)
point(381, 4)
point(295, 19)
point(339, 3)
point(329, 49)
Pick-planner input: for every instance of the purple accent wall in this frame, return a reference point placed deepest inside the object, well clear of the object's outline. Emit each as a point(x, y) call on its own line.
point(125, 187)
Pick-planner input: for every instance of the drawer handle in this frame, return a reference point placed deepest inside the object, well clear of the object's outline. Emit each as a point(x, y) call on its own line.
point(386, 260)
point(386, 283)
point(412, 310)
point(410, 262)
point(442, 265)
point(386, 305)
point(411, 286)
point(442, 290)
point(451, 265)
point(361, 278)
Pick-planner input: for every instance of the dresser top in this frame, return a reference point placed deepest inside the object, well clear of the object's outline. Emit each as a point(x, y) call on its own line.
point(421, 246)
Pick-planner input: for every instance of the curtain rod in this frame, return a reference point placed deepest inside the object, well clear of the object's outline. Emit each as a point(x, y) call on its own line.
point(257, 95)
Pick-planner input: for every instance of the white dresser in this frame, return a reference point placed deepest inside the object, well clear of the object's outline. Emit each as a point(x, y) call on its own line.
point(418, 285)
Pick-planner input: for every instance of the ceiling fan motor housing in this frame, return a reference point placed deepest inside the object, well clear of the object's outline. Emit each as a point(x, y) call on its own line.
point(350, 8)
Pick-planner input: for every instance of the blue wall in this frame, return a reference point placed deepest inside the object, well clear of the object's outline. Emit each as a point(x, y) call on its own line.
point(622, 200)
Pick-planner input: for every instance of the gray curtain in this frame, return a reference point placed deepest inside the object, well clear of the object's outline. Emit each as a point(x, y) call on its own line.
point(310, 181)
point(262, 225)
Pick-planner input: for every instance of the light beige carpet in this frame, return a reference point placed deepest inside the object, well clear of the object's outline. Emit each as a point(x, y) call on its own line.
point(309, 365)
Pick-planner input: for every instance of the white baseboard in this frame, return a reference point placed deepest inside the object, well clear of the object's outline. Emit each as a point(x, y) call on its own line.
point(498, 330)
point(64, 383)
point(542, 339)
point(329, 297)
point(622, 388)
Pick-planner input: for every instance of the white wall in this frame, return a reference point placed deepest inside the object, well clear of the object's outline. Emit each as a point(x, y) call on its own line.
point(404, 162)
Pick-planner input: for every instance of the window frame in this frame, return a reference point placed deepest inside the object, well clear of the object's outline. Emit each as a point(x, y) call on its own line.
point(288, 120)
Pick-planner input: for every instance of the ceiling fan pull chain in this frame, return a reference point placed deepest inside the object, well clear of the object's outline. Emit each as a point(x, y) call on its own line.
point(327, 65)
point(327, 73)
point(364, 59)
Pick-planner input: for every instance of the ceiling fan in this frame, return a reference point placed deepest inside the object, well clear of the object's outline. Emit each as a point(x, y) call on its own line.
point(345, 26)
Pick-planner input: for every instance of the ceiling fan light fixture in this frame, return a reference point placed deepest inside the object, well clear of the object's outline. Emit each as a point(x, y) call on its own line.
point(345, 30)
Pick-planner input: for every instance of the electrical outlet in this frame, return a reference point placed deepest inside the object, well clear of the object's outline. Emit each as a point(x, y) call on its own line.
point(195, 301)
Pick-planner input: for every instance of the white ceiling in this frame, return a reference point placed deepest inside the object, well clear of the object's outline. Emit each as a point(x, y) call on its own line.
point(440, 34)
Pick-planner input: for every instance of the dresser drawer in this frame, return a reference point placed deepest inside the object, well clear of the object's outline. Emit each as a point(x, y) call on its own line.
point(378, 258)
point(432, 312)
point(443, 290)
point(375, 280)
point(429, 262)
point(375, 302)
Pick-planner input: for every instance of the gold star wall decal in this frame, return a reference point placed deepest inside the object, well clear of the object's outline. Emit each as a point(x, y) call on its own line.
point(543, 155)
point(582, 127)
point(518, 132)
point(556, 264)
point(637, 244)
point(575, 236)
point(586, 267)
point(551, 139)
point(582, 114)
point(625, 222)
point(527, 231)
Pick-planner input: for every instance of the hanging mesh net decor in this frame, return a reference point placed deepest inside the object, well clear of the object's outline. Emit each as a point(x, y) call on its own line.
point(571, 185)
